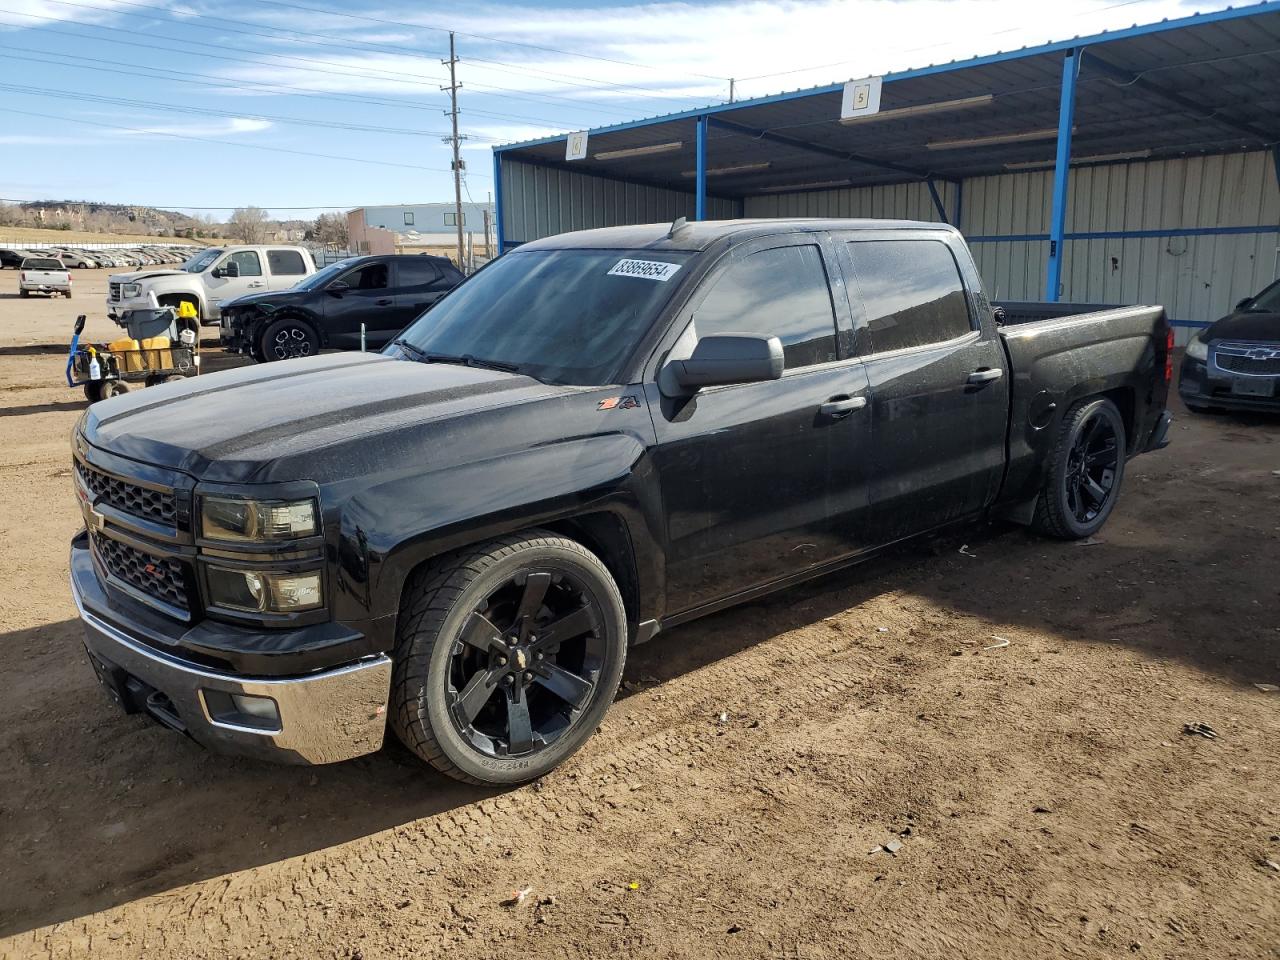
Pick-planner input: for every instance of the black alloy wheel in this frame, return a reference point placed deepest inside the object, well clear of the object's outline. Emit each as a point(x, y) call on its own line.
point(289, 338)
point(508, 655)
point(1091, 468)
point(1083, 471)
point(525, 665)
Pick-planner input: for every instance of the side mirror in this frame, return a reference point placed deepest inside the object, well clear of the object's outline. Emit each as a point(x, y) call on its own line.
point(217, 273)
point(79, 324)
point(231, 269)
point(338, 287)
point(725, 358)
point(1244, 303)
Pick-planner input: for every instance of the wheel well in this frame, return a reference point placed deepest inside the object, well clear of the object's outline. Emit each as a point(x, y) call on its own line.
point(287, 313)
point(605, 534)
point(1122, 397)
point(173, 299)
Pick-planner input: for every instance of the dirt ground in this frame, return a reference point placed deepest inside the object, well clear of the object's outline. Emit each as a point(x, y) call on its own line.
point(737, 799)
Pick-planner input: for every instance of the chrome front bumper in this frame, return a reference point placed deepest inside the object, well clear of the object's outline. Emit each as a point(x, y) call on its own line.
point(324, 717)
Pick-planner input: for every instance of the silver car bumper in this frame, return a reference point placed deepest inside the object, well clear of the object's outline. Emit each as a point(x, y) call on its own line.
point(318, 718)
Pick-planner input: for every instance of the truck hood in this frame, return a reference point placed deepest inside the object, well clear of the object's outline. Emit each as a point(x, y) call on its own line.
point(141, 275)
point(1263, 327)
point(315, 418)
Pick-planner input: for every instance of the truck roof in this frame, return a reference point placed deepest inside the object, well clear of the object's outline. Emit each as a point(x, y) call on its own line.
point(699, 235)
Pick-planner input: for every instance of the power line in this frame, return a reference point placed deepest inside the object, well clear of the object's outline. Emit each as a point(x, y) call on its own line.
point(326, 40)
point(188, 108)
point(512, 93)
point(224, 143)
point(283, 89)
point(479, 36)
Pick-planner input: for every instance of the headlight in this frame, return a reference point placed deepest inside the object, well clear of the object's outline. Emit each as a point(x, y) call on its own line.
point(260, 591)
point(131, 290)
point(1197, 349)
point(257, 521)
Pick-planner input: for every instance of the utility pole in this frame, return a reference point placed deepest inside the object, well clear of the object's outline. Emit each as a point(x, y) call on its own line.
point(457, 145)
point(731, 85)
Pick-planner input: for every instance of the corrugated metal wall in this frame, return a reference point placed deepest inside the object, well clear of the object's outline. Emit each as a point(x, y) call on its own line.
point(899, 201)
point(543, 201)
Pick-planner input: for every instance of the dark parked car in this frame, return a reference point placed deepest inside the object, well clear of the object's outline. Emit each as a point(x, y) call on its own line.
point(385, 293)
point(1234, 364)
point(599, 436)
point(12, 258)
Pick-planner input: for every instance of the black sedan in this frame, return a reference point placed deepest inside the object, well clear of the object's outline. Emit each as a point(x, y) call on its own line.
point(372, 297)
point(1234, 364)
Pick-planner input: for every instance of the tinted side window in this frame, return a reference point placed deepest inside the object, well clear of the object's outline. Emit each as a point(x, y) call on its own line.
point(417, 272)
point(912, 292)
point(248, 262)
point(372, 276)
point(286, 263)
point(779, 293)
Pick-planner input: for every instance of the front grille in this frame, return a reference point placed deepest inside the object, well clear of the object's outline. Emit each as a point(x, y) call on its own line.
point(113, 291)
point(159, 577)
point(1242, 363)
point(156, 505)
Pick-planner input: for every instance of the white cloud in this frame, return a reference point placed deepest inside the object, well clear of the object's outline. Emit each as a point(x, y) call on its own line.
point(29, 14)
point(213, 128)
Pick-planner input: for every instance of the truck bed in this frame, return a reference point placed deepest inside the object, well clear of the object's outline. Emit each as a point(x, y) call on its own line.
point(1057, 356)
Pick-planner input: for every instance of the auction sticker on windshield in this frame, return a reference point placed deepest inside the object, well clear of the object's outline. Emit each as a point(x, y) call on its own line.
point(645, 269)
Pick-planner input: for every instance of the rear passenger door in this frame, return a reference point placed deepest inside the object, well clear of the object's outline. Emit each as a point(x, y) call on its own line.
point(939, 400)
point(764, 480)
point(285, 268)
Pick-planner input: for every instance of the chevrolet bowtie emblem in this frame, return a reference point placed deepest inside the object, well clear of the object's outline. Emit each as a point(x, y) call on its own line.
point(521, 659)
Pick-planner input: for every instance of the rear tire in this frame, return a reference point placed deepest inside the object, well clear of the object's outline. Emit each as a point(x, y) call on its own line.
point(287, 338)
point(508, 655)
point(115, 388)
point(1086, 467)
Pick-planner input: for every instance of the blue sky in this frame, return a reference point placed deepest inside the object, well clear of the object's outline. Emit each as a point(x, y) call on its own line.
point(309, 103)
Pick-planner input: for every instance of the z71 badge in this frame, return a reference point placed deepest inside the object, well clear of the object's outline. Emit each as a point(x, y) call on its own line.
point(618, 403)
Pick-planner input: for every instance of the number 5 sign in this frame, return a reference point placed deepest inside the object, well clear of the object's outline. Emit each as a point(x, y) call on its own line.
point(575, 147)
point(861, 98)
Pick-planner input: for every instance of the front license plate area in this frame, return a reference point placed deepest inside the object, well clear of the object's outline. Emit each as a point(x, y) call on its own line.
point(115, 682)
point(1253, 386)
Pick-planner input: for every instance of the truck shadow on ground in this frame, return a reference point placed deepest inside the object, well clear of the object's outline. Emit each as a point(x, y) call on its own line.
point(104, 809)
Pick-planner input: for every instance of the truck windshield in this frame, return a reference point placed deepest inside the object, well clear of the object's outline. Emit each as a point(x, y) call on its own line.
point(1268, 301)
point(562, 316)
point(201, 260)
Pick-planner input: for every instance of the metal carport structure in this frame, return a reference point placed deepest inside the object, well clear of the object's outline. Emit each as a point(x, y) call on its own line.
point(1042, 120)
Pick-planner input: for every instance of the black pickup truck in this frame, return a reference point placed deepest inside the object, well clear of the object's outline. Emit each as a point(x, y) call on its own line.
point(361, 301)
point(597, 437)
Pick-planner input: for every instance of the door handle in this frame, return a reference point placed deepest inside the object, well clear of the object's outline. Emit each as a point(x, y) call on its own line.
point(985, 375)
point(257, 283)
point(383, 301)
point(839, 407)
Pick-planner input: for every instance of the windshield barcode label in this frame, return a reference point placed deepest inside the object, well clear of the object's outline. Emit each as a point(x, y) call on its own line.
point(645, 269)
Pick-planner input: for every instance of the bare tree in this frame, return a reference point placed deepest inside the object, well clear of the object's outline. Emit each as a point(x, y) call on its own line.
point(248, 224)
point(330, 229)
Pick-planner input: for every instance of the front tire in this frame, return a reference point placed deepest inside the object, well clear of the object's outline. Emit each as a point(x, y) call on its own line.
point(289, 337)
point(1086, 467)
point(508, 655)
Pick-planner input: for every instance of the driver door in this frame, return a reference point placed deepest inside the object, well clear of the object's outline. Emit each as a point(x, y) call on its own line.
point(367, 299)
point(246, 266)
point(765, 480)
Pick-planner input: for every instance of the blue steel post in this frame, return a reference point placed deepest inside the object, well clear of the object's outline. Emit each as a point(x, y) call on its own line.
point(937, 200)
point(1061, 171)
point(497, 201)
point(700, 189)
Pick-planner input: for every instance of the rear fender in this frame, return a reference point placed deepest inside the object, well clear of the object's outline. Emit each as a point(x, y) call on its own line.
point(389, 529)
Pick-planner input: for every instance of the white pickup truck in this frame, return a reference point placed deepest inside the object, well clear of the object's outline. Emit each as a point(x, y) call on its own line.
point(210, 278)
point(43, 275)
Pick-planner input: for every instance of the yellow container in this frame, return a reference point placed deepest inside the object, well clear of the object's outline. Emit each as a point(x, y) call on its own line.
point(128, 354)
point(158, 353)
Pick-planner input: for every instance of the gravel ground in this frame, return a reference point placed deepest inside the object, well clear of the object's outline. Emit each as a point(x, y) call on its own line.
point(739, 797)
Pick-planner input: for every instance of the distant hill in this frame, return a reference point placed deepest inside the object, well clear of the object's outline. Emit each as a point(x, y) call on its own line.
point(83, 216)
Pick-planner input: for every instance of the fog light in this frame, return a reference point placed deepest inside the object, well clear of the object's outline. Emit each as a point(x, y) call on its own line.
point(264, 708)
